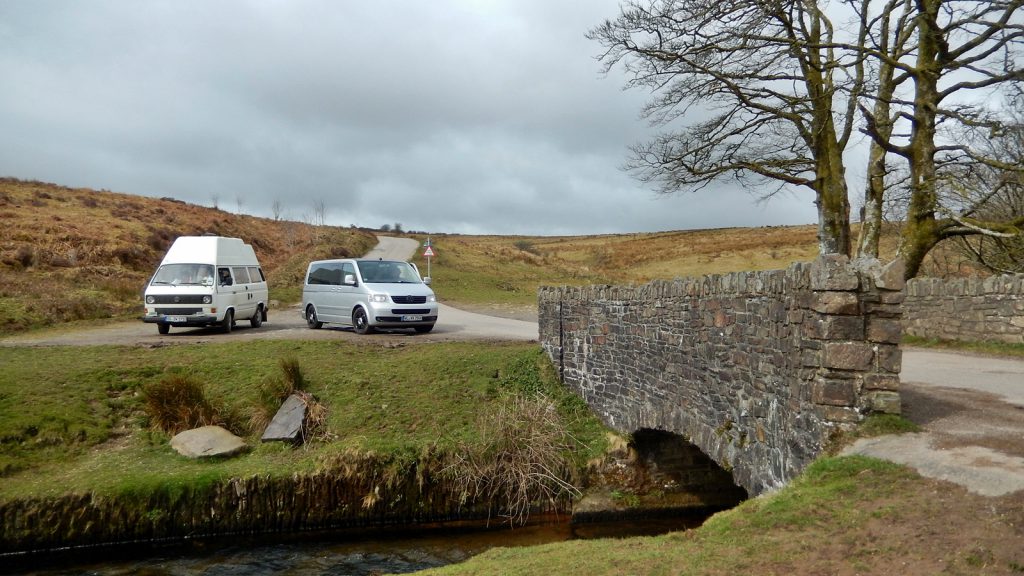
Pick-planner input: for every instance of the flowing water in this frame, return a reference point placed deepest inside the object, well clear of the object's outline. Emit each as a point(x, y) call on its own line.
point(357, 553)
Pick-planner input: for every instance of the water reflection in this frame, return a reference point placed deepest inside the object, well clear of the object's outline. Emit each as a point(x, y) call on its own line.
point(355, 553)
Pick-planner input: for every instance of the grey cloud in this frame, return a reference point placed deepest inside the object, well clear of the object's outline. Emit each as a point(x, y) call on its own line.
point(454, 116)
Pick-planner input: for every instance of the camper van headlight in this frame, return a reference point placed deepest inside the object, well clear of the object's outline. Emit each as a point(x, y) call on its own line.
point(378, 297)
point(431, 298)
point(207, 299)
point(150, 300)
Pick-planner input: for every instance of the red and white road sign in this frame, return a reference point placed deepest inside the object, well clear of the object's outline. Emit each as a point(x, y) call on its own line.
point(428, 252)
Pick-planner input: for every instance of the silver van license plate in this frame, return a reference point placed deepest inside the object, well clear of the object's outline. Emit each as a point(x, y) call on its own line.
point(174, 318)
point(412, 318)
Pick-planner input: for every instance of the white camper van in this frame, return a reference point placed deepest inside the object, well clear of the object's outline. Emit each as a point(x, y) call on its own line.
point(207, 280)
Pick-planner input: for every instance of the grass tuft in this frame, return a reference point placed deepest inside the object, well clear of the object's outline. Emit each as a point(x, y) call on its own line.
point(519, 458)
point(177, 403)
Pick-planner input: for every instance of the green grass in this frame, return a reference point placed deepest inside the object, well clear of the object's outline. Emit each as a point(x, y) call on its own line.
point(73, 419)
point(987, 348)
point(766, 535)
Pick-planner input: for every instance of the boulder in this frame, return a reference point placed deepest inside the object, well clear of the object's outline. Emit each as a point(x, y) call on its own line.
point(207, 442)
point(287, 423)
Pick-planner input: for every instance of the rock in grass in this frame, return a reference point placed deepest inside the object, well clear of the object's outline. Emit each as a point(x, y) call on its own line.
point(207, 442)
point(287, 423)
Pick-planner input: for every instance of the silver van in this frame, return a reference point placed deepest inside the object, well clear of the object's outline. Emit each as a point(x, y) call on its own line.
point(368, 294)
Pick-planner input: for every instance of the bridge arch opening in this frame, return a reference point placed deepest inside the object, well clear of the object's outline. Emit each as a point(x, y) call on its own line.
point(669, 464)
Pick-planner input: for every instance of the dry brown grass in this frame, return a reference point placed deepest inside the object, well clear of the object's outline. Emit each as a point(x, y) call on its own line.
point(176, 403)
point(92, 251)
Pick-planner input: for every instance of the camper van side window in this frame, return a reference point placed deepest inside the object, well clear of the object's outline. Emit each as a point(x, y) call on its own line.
point(256, 274)
point(241, 274)
point(224, 276)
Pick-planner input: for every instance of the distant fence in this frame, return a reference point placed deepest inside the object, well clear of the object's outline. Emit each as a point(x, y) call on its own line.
point(969, 309)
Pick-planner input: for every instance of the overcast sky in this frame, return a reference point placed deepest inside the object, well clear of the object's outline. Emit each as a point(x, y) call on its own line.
point(460, 116)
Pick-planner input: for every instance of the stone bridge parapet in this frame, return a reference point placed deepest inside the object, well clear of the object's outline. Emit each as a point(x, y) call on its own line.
point(757, 369)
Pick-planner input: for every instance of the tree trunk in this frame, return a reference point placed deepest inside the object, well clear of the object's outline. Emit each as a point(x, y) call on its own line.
point(921, 230)
point(832, 200)
point(874, 190)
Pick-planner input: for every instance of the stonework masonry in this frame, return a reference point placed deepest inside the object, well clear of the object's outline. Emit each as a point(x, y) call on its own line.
point(757, 369)
point(969, 309)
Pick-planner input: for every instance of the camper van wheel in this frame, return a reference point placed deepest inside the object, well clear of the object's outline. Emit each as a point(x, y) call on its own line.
point(360, 323)
point(229, 322)
point(163, 328)
point(257, 319)
point(311, 320)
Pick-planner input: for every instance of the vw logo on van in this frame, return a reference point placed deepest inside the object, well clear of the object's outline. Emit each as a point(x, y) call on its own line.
point(177, 300)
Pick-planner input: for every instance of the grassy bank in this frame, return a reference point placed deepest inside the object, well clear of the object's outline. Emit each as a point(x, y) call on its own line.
point(74, 419)
point(1003, 349)
point(849, 515)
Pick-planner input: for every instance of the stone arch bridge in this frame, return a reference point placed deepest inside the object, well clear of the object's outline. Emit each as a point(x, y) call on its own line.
point(756, 369)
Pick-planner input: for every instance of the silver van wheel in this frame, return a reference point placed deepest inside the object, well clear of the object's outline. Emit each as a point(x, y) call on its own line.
point(229, 322)
point(360, 323)
point(257, 319)
point(163, 328)
point(311, 320)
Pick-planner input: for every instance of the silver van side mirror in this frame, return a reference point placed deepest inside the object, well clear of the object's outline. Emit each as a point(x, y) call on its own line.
point(426, 280)
point(350, 280)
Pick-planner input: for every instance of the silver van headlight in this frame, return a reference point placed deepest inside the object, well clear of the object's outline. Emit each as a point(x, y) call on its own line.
point(207, 299)
point(378, 297)
point(431, 298)
point(150, 300)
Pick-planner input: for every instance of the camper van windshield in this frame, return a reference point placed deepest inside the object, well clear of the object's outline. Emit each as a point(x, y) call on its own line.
point(190, 274)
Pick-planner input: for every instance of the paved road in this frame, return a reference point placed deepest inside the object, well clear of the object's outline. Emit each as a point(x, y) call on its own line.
point(971, 410)
point(1002, 377)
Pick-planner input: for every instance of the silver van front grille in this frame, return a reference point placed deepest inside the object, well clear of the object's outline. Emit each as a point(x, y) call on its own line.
point(409, 299)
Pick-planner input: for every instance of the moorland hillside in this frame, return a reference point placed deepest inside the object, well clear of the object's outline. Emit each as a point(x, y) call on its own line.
point(71, 254)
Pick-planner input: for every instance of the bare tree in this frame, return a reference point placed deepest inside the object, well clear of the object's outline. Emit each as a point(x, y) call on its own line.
point(995, 193)
point(239, 201)
point(961, 52)
point(276, 209)
point(215, 200)
point(320, 212)
point(319, 217)
point(778, 97)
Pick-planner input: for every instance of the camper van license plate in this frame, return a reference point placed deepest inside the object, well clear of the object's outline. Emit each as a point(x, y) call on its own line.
point(174, 318)
point(412, 318)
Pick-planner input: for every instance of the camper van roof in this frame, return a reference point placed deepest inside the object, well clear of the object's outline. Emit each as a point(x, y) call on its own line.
point(210, 249)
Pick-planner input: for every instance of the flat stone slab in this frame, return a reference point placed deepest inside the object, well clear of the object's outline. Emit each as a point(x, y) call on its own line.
point(207, 442)
point(287, 423)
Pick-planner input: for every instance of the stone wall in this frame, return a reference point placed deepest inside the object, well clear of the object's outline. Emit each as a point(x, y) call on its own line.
point(757, 369)
point(971, 309)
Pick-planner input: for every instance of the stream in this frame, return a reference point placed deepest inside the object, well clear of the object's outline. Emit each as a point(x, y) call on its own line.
point(338, 553)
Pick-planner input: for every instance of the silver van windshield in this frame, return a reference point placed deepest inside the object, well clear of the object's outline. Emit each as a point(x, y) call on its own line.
point(184, 275)
point(387, 272)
